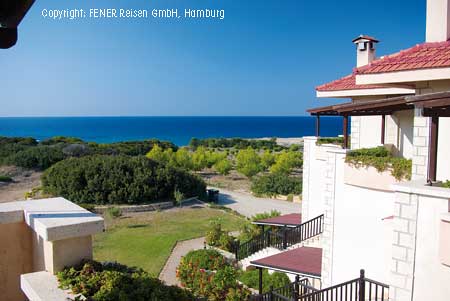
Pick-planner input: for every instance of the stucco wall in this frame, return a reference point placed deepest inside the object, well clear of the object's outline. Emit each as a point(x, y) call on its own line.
point(431, 277)
point(15, 259)
point(398, 132)
point(370, 131)
point(362, 234)
point(443, 163)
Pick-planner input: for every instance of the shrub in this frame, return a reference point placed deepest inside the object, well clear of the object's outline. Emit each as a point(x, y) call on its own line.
point(381, 159)
point(39, 157)
point(446, 184)
point(223, 167)
point(5, 179)
point(276, 184)
point(214, 233)
point(116, 282)
point(238, 143)
point(249, 231)
point(248, 162)
point(206, 274)
point(330, 140)
point(178, 196)
point(118, 180)
point(113, 212)
point(276, 279)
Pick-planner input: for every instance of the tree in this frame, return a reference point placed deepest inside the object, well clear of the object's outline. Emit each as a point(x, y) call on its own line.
point(286, 161)
point(183, 159)
point(164, 156)
point(223, 167)
point(248, 162)
point(267, 159)
point(200, 159)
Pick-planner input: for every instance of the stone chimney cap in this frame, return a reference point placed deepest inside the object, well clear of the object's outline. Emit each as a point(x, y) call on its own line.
point(365, 37)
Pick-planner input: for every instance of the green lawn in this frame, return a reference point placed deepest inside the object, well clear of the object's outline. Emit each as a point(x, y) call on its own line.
point(146, 239)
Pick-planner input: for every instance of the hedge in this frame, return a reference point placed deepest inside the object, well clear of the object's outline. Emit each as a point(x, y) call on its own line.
point(119, 180)
point(115, 282)
point(276, 184)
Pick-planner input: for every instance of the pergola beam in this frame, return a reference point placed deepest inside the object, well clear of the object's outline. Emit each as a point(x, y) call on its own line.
point(432, 148)
point(345, 131)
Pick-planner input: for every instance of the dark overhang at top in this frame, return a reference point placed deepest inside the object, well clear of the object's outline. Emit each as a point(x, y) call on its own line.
point(11, 14)
point(433, 104)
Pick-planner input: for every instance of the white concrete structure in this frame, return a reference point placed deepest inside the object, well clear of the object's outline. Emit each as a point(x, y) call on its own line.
point(42, 236)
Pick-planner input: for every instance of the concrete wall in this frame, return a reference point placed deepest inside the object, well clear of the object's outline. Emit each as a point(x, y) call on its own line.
point(15, 259)
point(362, 234)
point(443, 162)
point(366, 132)
point(430, 273)
point(314, 167)
point(416, 270)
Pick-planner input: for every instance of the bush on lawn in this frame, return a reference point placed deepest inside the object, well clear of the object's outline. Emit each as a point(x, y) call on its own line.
point(276, 279)
point(5, 179)
point(276, 184)
point(115, 282)
point(217, 237)
point(206, 274)
point(118, 180)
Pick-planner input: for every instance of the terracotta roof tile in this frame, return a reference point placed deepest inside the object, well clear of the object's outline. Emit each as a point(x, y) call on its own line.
point(422, 56)
point(346, 83)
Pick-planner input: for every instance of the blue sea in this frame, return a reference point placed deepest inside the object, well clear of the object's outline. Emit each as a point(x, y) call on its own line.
point(178, 130)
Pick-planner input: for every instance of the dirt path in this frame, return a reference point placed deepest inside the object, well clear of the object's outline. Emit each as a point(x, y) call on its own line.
point(23, 181)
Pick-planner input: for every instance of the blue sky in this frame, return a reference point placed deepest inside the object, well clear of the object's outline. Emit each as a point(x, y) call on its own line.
point(264, 58)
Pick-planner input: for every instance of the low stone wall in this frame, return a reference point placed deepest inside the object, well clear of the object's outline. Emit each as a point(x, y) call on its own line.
point(137, 208)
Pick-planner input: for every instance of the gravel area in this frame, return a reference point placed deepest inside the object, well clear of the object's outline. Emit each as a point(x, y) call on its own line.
point(248, 205)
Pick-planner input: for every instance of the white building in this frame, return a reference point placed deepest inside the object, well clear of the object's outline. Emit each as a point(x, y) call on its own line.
point(398, 231)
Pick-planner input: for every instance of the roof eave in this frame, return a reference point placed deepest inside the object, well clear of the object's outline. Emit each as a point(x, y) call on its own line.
point(364, 92)
point(403, 77)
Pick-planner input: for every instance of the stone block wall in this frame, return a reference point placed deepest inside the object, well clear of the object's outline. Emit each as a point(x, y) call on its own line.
point(420, 145)
point(403, 246)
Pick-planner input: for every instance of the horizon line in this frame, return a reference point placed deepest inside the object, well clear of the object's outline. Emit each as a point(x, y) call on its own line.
point(157, 116)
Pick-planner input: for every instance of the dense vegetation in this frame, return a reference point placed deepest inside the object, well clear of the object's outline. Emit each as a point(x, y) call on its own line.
point(5, 179)
point(29, 153)
point(275, 280)
point(381, 159)
point(330, 140)
point(207, 274)
point(276, 184)
point(118, 179)
point(115, 282)
point(237, 143)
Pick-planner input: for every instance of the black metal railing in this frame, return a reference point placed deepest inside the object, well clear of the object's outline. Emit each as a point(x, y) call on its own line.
point(290, 292)
point(280, 239)
point(359, 289)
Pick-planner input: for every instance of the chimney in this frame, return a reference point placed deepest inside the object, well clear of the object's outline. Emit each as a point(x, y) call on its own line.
point(438, 20)
point(365, 49)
